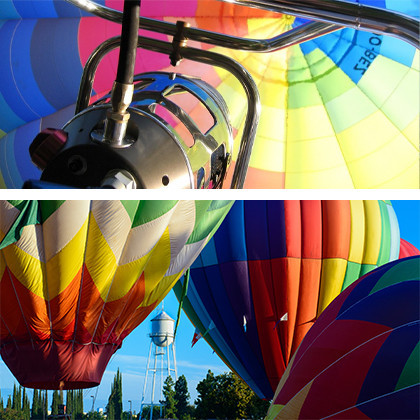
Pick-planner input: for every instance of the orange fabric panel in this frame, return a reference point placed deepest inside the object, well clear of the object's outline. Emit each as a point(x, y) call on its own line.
point(257, 177)
point(336, 227)
point(308, 299)
point(220, 9)
point(25, 313)
point(63, 309)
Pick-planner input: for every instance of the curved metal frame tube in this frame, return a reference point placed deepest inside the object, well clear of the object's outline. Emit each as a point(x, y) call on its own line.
point(206, 57)
point(339, 12)
point(336, 13)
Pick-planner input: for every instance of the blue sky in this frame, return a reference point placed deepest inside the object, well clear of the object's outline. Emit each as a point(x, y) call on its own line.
point(192, 362)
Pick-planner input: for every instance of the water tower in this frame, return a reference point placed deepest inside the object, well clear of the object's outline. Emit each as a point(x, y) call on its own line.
point(161, 342)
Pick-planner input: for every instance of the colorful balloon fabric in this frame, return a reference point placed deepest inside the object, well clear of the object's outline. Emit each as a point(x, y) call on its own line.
point(76, 277)
point(407, 249)
point(340, 111)
point(360, 360)
point(272, 268)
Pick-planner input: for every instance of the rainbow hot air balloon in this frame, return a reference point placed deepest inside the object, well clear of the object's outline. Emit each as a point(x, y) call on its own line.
point(272, 268)
point(360, 359)
point(339, 111)
point(76, 277)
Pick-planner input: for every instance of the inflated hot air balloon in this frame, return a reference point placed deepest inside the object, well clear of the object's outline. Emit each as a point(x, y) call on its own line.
point(76, 277)
point(272, 268)
point(339, 111)
point(360, 359)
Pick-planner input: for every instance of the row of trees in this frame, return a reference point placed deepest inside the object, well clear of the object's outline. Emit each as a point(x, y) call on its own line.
point(18, 404)
point(223, 396)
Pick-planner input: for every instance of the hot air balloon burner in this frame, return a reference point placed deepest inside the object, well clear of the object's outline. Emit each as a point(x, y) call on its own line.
point(163, 144)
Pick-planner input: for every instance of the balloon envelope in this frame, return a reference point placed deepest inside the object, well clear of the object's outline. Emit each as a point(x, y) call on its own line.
point(360, 359)
point(272, 268)
point(340, 111)
point(76, 277)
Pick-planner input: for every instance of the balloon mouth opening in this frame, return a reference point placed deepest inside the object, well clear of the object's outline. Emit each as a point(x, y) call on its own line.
point(53, 364)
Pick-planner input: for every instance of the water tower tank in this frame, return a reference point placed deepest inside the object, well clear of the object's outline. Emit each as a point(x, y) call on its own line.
point(162, 329)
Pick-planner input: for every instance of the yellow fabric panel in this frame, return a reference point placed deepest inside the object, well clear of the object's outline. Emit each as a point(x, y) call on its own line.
point(268, 155)
point(274, 411)
point(411, 132)
point(392, 159)
point(373, 232)
point(333, 272)
point(161, 289)
point(308, 123)
point(292, 409)
point(100, 260)
point(26, 268)
point(63, 267)
point(325, 178)
point(314, 155)
point(377, 84)
point(273, 95)
point(416, 60)
point(407, 178)
point(156, 267)
point(357, 237)
point(125, 277)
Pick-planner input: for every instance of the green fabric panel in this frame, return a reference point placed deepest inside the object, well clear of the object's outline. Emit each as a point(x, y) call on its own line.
point(367, 268)
point(303, 95)
point(148, 210)
point(333, 84)
point(403, 271)
point(130, 207)
point(385, 249)
point(352, 274)
point(358, 108)
point(319, 64)
point(297, 67)
point(380, 79)
point(410, 375)
point(19, 204)
point(29, 215)
point(207, 221)
point(48, 207)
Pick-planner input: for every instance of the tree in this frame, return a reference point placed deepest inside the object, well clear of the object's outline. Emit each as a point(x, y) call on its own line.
point(114, 407)
point(1, 403)
point(182, 397)
point(170, 401)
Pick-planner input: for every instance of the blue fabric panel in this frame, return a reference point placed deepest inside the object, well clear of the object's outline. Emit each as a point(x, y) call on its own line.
point(23, 138)
point(55, 57)
point(390, 360)
point(8, 119)
point(398, 50)
point(9, 170)
point(8, 10)
point(377, 307)
point(276, 229)
point(230, 238)
point(402, 404)
point(35, 9)
point(207, 256)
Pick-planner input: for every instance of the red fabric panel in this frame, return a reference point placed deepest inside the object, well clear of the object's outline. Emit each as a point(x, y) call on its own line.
point(57, 364)
point(407, 249)
point(350, 414)
point(336, 224)
point(24, 313)
point(338, 387)
point(311, 229)
point(334, 342)
point(266, 318)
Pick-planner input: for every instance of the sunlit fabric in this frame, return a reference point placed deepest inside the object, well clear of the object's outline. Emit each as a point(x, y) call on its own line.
point(76, 277)
point(272, 268)
point(360, 360)
point(340, 111)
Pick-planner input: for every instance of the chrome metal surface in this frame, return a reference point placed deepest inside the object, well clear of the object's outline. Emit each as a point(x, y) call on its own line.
point(335, 12)
point(294, 36)
point(343, 13)
point(203, 56)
